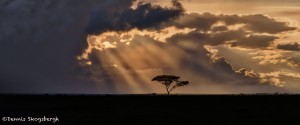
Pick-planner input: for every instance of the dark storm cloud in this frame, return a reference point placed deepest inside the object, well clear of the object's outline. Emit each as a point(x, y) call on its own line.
point(192, 36)
point(238, 38)
point(40, 40)
point(209, 38)
point(289, 47)
point(194, 20)
point(262, 24)
point(257, 23)
point(255, 41)
point(244, 35)
point(219, 28)
point(144, 16)
point(222, 37)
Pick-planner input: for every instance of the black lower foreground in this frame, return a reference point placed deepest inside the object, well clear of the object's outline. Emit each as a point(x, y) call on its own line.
point(150, 109)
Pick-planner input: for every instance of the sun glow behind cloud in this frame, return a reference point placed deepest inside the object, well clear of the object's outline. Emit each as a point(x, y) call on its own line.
point(125, 57)
point(124, 63)
point(113, 39)
point(191, 46)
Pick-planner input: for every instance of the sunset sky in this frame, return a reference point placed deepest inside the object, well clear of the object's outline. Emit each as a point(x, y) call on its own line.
point(118, 46)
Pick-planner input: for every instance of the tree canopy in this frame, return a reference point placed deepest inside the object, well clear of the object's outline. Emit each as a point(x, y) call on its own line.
point(167, 81)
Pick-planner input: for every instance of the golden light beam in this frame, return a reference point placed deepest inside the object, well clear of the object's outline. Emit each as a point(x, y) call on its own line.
point(133, 77)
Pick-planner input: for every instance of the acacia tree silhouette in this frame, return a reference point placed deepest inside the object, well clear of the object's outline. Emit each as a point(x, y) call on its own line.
point(167, 80)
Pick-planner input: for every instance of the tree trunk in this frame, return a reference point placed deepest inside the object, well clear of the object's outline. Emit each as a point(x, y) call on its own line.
point(167, 88)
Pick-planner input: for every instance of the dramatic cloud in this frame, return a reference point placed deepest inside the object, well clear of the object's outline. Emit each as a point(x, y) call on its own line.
point(40, 40)
point(267, 57)
point(198, 21)
point(192, 61)
point(255, 41)
point(238, 38)
point(219, 28)
point(276, 77)
point(123, 18)
point(144, 52)
point(257, 23)
point(289, 47)
point(116, 46)
point(243, 31)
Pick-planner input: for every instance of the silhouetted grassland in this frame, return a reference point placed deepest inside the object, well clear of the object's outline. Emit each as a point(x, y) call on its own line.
point(154, 109)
